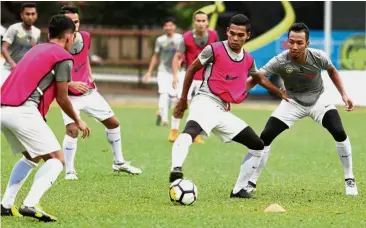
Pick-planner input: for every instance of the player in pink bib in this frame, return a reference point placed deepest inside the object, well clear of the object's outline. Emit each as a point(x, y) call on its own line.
point(227, 67)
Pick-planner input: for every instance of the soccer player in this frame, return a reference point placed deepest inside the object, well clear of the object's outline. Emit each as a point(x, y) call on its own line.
point(190, 46)
point(19, 38)
point(85, 97)
point(300, 68)
point(227, 66)
point(165, 48)
point(42, 75)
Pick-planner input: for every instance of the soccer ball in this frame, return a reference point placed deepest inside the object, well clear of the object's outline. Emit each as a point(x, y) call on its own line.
point(183, 191)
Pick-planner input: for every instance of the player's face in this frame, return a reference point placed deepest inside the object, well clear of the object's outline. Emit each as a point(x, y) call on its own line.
point(169, 28)
point(297, 44)
point(201, 22)
point(237, 35)
point(70, 39)
point(29, 16)
point(75, 18)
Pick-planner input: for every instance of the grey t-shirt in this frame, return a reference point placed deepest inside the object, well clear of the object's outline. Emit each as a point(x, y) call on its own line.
point(166, 48)
point(20, 41)
point(303, 82)
point(60, 73)
point(206, 59)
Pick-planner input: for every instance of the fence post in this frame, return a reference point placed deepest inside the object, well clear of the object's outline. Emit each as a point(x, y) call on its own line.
point(139, 55)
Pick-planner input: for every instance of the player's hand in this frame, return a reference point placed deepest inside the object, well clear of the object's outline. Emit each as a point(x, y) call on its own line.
point(83, 128)
point(179, 109)
point(147, 77)
point(283, 94)
point(12, 66)
point(79, 86)
point(175, 82)
point(349, 103)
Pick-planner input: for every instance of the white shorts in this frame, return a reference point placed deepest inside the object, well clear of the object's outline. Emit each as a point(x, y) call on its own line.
point(212, 117)
point(193, 90)
point(93, 104)
point(290, 112)
point(165, 83)
point(25, 130)
point(4, 75)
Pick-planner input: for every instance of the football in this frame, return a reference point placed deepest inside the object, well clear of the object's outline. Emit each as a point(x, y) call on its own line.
point(183, 191)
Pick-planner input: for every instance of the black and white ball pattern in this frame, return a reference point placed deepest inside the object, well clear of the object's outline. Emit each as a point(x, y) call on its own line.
point(183, 191)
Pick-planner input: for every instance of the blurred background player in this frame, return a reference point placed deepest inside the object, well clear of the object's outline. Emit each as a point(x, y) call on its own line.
point(19, 38)
point(189, 48)
point(300, 68)
point(85, 97)
point(27, 94)
point(226, 68)
point(165, 49)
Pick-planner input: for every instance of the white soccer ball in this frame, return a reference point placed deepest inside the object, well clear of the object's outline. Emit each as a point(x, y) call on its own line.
point(183, 191)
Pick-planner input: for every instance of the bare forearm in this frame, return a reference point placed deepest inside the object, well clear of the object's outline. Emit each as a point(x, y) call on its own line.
point(337, 81)
point(153, 62)
point(187, 81)
point(66, 106)
point(263, 81)
point(251, 82)
point(175, 64)
point(5, 53)
point(90, 71)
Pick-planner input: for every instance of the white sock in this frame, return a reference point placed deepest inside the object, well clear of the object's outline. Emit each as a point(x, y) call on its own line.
point(344, 150)
point(250, 164)
point(43, 180)
point(175, 123)
point(261, 165)
point(69, 146)
point(114, 138)
point(163, 106)
point(180, 149)
point(18, 175)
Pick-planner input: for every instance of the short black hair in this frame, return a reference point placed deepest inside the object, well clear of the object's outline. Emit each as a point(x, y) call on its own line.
point(199, 12)
point(59, 25)
point(27, 5)
point(69, 9)
point(169, 19)
point(299, 27)
point(240, 19)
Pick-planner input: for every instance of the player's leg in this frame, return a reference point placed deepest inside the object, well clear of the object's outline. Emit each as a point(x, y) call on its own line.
point(97, 107)
point(164, 85)
point(70, 141)
point(328, 116)
point(39, 142)
point(196, 84)
point(285, 115)
point(197, 123)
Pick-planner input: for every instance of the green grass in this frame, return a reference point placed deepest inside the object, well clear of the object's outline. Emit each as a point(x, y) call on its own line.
point(303, 175)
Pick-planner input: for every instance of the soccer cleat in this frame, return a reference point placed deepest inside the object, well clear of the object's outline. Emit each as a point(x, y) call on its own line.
point(251, 187)
point(71, 176)
point(37, 212)
point(176, 174)
point(12, 211)
point(241, 194)
point(351, 187)
point(198, 140)
point(126, 167)
point(173, 135)
point(158, 118)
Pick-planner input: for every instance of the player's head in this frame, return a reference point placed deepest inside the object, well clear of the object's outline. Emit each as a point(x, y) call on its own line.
point(169, 25)
point(200, 20)
point(238, 31)
point(62, 28)
point(73, 13)
point(28, 13)
point(298, 39)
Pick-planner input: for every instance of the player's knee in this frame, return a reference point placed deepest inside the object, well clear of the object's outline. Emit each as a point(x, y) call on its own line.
point(111, 123)
point(340, 136)
point(249, 138)
point(72, 130)
point(273, 128)
point(193, 129)
point(332, 122)
point(54, 155)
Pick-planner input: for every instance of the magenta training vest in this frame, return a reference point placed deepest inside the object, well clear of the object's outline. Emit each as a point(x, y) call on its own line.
point(229, 77)
point(80, 71)
point(193, 50)
point(31, 69)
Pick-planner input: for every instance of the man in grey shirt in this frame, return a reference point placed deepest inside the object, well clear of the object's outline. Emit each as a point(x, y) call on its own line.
point(300, 68)
point(19, 38)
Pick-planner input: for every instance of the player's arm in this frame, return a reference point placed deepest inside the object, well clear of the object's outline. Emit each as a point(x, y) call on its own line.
point(153, 62)
point(7, 41)
point(90, 70)
point(63, 76)
point(176, 60)
point(337, 81)
point(261, 79)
